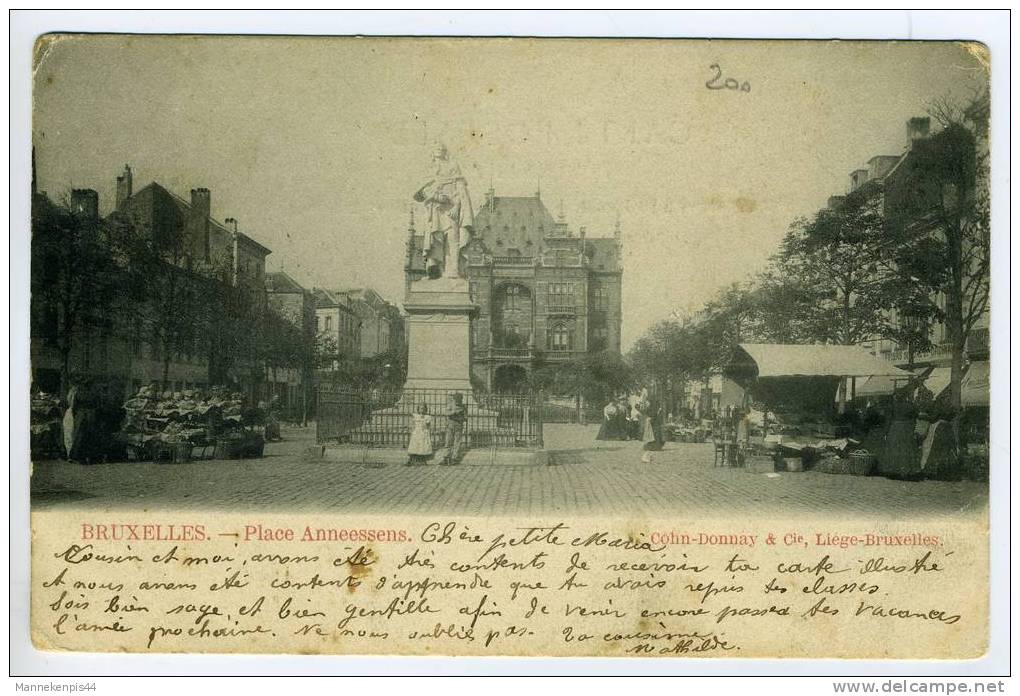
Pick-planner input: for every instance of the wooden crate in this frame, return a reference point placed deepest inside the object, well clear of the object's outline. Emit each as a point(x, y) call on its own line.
point(760, 463)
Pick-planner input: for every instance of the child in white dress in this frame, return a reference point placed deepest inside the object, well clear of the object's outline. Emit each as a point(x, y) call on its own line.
point(419, 449)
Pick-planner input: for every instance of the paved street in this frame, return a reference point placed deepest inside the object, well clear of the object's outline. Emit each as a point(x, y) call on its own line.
point(582, 480)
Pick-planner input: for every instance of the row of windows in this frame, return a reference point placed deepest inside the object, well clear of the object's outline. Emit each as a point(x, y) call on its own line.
point(515, 297)
point(559, 337)
point(347, 324)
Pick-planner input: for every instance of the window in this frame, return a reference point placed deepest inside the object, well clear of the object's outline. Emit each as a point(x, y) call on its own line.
point(599, 338)
point(600, 298)
point(560, 338)
point(512, 337)
point(329, 323)
point(561, 294)
point(512, 297)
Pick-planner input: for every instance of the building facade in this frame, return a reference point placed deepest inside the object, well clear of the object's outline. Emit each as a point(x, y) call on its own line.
point(209, 249)
point(295, 305)
point(887, 183)
point(382, 326)
point(337, 328)
point(120, 348)
point(545, 294)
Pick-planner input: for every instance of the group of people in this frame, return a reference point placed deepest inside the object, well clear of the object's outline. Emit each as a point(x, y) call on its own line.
point(420, 449)
point(636, 416)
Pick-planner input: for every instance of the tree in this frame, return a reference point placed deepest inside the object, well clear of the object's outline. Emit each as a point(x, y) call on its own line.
point(833, 271)
point(171, 295)
point(74, 277)
point(284, 344)
point(784, 308)
point(385, 371)
point(671, 354)
point(327, 352)
point(250, 320)
point(593, 377)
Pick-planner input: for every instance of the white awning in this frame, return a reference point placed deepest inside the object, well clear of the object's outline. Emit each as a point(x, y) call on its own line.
point(877, 385)
point(975, 386)
point(937, 381)
point(788, 360)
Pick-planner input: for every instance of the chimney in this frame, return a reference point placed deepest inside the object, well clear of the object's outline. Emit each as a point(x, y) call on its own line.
point(200, 202)
point(490, 198)
point(197, 225)
point(85, 202)
point(917, 129)
point(123, 186)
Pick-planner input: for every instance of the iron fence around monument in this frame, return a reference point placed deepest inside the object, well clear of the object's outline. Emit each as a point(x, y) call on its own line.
point(383, 418)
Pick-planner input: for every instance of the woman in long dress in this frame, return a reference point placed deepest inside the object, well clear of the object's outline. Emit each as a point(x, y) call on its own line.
point(633, 417)
point(610, 421)
point(652, 436)
point(419, 449)
point(87, 443)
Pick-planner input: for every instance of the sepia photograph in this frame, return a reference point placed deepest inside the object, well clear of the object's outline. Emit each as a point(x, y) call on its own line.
point(498, 277)
point(513, 347)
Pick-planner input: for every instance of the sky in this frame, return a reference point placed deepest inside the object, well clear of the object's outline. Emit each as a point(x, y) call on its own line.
point(316, 145)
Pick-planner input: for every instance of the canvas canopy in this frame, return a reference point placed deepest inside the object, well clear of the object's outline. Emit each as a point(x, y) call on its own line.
point(974, 389)
point(937, 381)
point(877, 385)
point(764, 360)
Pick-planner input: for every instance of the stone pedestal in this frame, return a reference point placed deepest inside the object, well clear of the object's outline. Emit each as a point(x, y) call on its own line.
point(439, 358)
point(439, 340)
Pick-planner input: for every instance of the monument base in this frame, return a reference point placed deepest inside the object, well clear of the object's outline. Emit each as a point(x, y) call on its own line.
point(439, 334)
point(438, 365)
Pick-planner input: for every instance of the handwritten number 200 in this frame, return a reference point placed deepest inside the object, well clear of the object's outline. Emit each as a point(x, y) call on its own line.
point(728, 83)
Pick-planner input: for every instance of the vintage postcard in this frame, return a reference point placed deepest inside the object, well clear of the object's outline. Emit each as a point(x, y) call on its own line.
point(510, 347)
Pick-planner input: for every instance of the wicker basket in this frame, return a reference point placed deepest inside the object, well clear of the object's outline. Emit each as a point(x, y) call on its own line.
point(862, 462)
point(858, 463)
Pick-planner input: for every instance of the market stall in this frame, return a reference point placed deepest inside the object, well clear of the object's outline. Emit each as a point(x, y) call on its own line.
point(794, 384)
point(181, 426)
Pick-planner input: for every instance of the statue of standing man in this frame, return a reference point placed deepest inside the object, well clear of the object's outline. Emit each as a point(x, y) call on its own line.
point(451, 219)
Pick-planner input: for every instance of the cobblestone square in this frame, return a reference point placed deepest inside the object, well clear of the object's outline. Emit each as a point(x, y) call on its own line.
point(581, 480)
